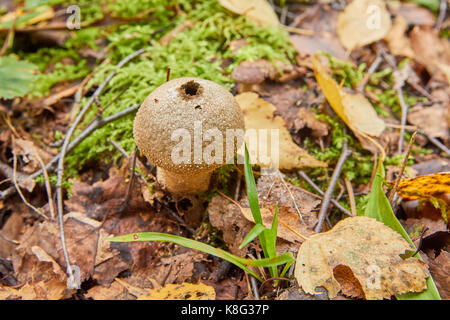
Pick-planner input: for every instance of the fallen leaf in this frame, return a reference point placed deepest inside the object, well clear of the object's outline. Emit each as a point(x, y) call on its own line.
point(414, 14)
point(15, 77)
point(253, 72)
point(50, 290)
point(183, 291)
point(323, 20)
point(370, 250)
point(259, 114)
point(430, 119)
point(116, 291)
point(259, 11)
point(397, 40)
point(361, 114)
point(363, 22)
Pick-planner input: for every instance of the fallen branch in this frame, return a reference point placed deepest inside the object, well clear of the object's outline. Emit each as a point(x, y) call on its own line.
point(328, 194)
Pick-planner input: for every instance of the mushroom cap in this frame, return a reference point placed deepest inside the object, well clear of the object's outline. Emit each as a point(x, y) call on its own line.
point(178, 104)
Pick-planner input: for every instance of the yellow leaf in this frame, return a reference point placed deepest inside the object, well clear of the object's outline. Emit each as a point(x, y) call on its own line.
point(259, 11)
point(361, 114)
point(361, 257)
point(184, 291)
point(354, 109)
point(363, 22)
point(258, 114)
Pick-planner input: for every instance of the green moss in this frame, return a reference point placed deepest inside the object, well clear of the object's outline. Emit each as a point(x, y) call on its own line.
point(199, 52)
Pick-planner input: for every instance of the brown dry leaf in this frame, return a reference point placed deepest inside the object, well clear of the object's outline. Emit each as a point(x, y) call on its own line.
point(398, 42)
point(42, 13)
point(272, 191)
point(370, 250)
point(307, 118)
point(259, 114)
point(253, 72)
point(357, 112)
point(50, 290)
point(363, 22)
point(227, 217)
point(323, 20)
point(183, 291)
point(440, 270)
point(430, 120)
point(12, 229)
point(414, 14)
point(431, 51)
point(116, 291)
point(259, 11)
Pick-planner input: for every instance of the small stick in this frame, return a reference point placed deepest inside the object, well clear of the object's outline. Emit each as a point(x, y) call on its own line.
point(400, 174)
point(130, 185)
point(351, 195)
point(261, 287)
point(333, 201)
point(328, 194)
point(8, 240)
point(60, 168)
point(168, 75)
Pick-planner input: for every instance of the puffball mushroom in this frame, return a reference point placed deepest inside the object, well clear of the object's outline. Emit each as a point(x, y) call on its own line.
point(175, 117)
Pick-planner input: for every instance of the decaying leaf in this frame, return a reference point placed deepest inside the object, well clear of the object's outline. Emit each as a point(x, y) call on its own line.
point(431, 51)
point(258, 114)
point(371, 252)
point(361, 114)
point(50, 290)
point(363, 22)
point(259, 11)
point(183, 291)
point(434, 188)
point(354, 109)
point(396, 39)
point(323, 21)
point(431, 120)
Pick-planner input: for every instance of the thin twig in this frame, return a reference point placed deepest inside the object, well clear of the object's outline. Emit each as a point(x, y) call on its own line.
point(442, 13)
point(328, 194)
point(60, 169)
point(435, 141)
point(404, 108)
point(400, 174)
point(96, 124)
point(292, 197)
point(8, 240)
point(16, 185)
point(319, 191)
point(351, 195)
point(261, 287)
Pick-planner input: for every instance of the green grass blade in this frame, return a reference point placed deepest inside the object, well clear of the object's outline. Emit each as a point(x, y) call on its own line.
point(256, 230)
point(189, 243)
point(378, 207)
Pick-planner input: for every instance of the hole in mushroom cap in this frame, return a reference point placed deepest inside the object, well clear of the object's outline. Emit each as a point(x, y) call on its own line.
point(190, 89)
point(198, 107)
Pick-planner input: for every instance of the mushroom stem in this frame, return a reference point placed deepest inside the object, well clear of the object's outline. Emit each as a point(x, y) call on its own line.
point(183, 183)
